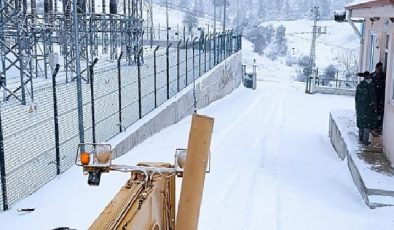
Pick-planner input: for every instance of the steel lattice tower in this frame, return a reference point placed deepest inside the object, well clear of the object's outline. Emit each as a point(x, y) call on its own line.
point(33, 33)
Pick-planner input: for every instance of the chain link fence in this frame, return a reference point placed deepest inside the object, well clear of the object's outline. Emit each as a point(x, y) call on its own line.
point(39, 141)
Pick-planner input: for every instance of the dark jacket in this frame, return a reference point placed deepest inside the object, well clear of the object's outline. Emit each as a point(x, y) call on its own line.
point(379, 81)
point(365, 106)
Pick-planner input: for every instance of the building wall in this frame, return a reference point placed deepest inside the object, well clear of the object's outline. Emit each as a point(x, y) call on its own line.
point(388, 132)
point(381, 28)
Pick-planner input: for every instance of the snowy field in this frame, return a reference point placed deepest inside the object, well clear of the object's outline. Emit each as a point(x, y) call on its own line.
point(175, 20)
point(273, 167)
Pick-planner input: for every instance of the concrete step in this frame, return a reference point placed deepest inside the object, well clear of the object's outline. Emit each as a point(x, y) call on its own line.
point(371, 171)
point(376, 201)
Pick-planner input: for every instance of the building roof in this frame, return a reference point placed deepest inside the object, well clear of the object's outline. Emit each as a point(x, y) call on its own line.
point(362, 4)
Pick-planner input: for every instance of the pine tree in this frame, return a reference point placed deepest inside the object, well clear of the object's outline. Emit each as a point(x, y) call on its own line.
point(184, 3)
point(190, 20)
point(279, 4)
point(261, 10)
point(281, 41)
point(325, 8)
point(287, 10)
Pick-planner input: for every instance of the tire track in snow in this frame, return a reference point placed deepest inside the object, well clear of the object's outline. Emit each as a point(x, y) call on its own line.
point(236, 176)
point(264, 204)
point(223, 135)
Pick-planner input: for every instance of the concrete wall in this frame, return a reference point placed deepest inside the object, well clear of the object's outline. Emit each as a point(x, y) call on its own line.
point(212, 86)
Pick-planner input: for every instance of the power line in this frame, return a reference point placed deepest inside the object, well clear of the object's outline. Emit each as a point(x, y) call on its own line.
point(324, 43)
point(188, 9)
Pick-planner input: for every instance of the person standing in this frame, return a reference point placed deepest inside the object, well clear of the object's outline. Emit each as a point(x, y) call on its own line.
point(379, 82)
point(365, 107)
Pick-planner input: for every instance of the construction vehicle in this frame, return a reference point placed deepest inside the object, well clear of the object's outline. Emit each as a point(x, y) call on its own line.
point(147, 200)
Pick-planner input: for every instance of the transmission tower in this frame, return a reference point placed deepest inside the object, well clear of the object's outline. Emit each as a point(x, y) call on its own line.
point(30, 34)
point(149, 20)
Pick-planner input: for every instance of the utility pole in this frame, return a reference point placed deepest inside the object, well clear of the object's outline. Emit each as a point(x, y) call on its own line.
point(237, 17)
point(316, 32)
point(214, 16)
point(224, 16)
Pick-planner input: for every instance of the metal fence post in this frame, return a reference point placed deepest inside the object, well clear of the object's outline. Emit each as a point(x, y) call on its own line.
point(227, 45)
point(56, 119)
point(155, 74)
point(184, 33)
point(120, 91)
point(199, 56)
point(194, 41)
point(232, 42)
point(205, 52)
point(2, 169)
point(168, 70)
point(240, 43)
point(221, 47)
point(186, 47)
point(214, 49)
point(91, 77)
point(194, 80)
point(139, 85)
point(224, 45)
point(177, 65)
point(210, 51)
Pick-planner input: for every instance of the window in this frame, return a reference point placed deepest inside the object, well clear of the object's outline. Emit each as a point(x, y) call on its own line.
point(372, 52)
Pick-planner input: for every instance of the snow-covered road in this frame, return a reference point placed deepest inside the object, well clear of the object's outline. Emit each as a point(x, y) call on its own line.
point(272, 168)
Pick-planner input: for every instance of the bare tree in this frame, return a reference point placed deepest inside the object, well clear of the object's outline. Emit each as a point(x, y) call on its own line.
point(348, 60)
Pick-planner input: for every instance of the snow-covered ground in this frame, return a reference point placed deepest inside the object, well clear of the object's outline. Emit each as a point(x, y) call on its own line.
point(273, 167)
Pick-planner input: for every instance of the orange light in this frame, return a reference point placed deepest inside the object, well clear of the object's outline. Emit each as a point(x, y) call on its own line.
point(85, 158)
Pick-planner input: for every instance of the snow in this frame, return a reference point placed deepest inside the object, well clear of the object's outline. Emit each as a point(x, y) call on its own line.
point(357, 2)
point(373, 180)
point(388, 200)
point(339, 39)
point(176, 23)
point(273, 167)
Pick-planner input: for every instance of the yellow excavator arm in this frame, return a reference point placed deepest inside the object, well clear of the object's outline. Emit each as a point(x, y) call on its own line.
point(147, 200)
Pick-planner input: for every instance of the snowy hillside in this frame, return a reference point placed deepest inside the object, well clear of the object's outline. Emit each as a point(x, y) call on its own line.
point(175, 18)
point(339, 40)
point(340, 37)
